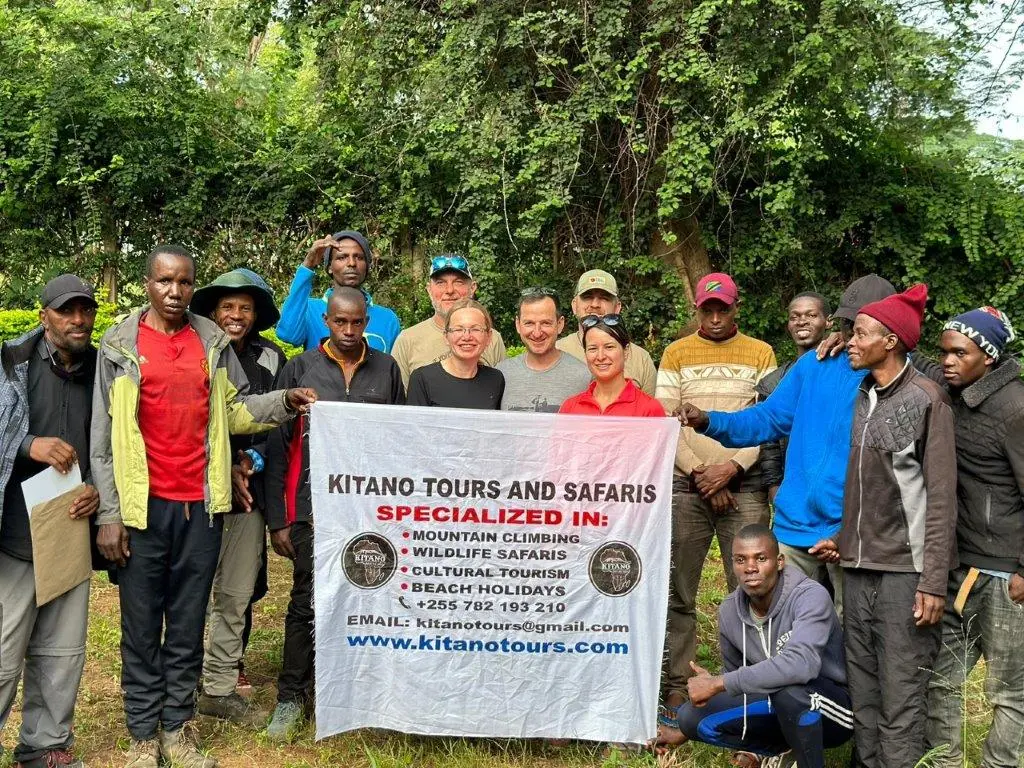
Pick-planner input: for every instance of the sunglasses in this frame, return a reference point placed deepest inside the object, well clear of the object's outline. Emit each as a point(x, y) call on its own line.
point(589, 321)
point(538, 292)
point(458, 263)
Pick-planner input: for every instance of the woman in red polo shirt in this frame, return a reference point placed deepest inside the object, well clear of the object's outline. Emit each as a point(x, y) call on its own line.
point(606, 344)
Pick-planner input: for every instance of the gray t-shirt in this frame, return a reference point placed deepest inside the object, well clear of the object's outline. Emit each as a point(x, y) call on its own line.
point(545, 391)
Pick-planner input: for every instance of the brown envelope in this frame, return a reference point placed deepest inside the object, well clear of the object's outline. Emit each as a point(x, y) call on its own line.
point(60, 547)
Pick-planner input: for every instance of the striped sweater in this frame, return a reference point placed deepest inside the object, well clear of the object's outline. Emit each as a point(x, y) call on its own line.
point(714, 376)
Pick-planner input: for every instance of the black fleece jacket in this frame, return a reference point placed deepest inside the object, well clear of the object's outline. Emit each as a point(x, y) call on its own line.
point(989, 428)
point(376, 380)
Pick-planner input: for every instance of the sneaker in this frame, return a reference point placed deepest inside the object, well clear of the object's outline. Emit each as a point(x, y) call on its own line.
point(53, 758)
point(179, 749)
point(785, 760)
point(243, 687)
point(285, 722)
point(233, 708)
point(143, 754)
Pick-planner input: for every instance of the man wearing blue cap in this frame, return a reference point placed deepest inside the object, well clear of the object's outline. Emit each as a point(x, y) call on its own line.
point(242, 304)
point(347, 257)
point(984, 613)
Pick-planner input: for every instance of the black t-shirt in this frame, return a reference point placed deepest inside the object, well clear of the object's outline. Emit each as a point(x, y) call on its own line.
point(432, 385)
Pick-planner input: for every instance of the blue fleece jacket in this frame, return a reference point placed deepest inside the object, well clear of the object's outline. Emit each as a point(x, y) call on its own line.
point(800, 640)
point(813, 406)
point(302, 317)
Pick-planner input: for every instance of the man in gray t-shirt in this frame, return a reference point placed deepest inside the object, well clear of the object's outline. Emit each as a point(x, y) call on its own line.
point(543, 377)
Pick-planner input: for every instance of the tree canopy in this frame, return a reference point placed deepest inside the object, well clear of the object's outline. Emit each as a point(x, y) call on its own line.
point(793, 143)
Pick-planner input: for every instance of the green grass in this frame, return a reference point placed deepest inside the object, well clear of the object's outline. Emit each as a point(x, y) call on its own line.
point(101, 736)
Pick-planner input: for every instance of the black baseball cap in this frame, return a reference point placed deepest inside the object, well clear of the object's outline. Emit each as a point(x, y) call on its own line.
point(862, 291)
point(63, 289)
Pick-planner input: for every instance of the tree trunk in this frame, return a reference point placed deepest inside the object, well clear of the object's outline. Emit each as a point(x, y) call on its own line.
point(687, 255)
point(111, 254)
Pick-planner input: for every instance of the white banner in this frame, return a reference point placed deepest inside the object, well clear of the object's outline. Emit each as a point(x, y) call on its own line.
point(487, 573)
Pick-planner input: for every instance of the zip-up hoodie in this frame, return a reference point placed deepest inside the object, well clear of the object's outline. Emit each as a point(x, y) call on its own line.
point(899, 513)
point(117, 452)
point(989, 417)
point(809, 504)
point(801, 639)
point(376, 380)
point(302, 316)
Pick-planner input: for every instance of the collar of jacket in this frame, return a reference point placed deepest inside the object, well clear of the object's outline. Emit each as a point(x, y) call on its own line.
point(122, 340)
point(902, 378)
point(1001, 375)
point(17, 351)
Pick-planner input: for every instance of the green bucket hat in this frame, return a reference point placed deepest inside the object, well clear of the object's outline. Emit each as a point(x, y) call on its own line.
point(241, 280)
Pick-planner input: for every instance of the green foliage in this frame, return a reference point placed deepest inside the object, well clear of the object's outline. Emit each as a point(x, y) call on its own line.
point(794, 144)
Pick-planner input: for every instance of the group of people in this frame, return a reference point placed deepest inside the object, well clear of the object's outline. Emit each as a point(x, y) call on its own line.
point(189, 429)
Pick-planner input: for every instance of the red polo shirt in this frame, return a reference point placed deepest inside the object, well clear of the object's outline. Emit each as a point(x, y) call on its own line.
point(174, 410)
point(632, 401)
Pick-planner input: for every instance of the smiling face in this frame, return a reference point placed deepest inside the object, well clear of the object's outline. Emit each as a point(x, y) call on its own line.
point(348, 264)
point(606, 358)
point(870, 343)
point(596, 302)
point(169, 286)
point(716, 319)
point(235, 313)
point(539, 325)
point(963, 362)
point(467, 333)
point(806, 323)
point(757, 563)
point(69, 328)
point(446, 288)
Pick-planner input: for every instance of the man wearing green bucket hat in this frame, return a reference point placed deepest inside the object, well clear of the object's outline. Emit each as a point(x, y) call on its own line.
point(242, 304)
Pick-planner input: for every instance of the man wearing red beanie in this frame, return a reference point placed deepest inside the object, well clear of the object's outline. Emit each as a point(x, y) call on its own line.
point(897, 542)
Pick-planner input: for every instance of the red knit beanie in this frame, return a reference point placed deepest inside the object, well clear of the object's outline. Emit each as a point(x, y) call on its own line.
point(902, 314)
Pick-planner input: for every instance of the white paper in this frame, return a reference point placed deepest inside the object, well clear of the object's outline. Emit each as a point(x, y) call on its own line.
point(49, 484)
point(551, 622)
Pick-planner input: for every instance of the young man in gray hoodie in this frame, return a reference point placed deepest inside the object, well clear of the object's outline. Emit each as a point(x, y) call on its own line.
point(783, 688)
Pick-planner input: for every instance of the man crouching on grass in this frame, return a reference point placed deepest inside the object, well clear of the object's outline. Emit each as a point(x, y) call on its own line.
point(783, 692)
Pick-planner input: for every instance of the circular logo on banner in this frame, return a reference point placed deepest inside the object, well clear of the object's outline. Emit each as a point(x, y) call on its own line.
point(369, 561)
point(615, 569)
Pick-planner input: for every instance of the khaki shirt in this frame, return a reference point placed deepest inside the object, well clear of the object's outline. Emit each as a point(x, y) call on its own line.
point(424, 344)
point(639, 365)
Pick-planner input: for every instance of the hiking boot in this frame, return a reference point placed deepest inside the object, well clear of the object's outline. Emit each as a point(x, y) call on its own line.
point(179, 749)
point(53, 758)
point(285, 723)
point(143, 754)
point(233, 708)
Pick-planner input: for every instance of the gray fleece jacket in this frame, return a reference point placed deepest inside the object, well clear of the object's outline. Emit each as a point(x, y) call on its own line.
point(800, 640)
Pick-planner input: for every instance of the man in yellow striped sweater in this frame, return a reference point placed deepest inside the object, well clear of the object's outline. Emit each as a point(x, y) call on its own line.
point(716, 490)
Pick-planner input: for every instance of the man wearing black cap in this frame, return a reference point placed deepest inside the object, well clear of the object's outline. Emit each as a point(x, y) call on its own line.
point(46, 386)
point(450, 281)
point(347, 256)
point(242, 304)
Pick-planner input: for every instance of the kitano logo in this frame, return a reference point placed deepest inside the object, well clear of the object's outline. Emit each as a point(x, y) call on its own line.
point(615, 569)
point(369, 561)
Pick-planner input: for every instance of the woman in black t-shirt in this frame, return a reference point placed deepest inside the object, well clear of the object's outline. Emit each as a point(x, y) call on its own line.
point(460, 380)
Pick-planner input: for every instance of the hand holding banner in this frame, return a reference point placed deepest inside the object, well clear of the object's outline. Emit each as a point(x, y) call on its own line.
point(487, 573)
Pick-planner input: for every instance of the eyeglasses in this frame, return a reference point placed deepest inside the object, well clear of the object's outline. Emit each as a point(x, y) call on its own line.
point(458, 263)
point(589, 321)
point(473, 330)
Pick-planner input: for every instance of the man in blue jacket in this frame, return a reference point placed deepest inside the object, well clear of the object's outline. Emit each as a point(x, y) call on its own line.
point(783, 689)
point(348, 257)
point(813, 406)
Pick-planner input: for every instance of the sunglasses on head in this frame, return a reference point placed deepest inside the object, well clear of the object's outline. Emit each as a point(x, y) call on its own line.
point(537, 291)
point(457, 263)
point(589, 321)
